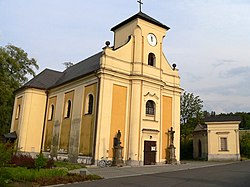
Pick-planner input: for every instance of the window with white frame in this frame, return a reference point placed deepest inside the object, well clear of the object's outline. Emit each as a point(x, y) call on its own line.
point(150, 107)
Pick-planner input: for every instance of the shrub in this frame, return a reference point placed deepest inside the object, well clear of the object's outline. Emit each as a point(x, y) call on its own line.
point(23, 161)
point(6, 151)
point(40, 161)
point(50, 163)
point(186, 150)
point(245, 145)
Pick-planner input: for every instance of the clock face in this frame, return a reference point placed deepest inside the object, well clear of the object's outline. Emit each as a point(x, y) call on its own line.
point(152, 39)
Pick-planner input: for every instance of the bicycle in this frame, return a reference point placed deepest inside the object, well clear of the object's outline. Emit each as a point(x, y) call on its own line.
point(105, 163)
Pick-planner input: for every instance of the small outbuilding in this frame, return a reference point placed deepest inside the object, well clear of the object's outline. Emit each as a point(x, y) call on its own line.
point(217, 139)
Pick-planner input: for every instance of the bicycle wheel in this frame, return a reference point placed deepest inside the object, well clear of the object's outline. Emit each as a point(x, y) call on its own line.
point(102, 163)
point(109, 163)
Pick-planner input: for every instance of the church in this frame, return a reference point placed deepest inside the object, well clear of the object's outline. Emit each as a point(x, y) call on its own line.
point(128, 87)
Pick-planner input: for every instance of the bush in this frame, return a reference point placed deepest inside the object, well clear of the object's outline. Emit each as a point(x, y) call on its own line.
point(40, 161)
point(50, 164)
point(186, 150)
point(6, 151)
point(245, 145)
point(23, 161)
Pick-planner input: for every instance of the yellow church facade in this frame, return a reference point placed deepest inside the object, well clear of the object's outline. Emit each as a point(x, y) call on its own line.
point(129, 87)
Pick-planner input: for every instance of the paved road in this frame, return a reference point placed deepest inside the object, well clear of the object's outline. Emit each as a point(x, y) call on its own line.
point(234, 174)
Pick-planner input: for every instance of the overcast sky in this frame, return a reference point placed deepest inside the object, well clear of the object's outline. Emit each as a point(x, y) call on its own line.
point(209, 40)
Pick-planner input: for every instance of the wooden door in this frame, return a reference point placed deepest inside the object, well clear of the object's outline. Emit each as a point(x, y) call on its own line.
point(149, 152)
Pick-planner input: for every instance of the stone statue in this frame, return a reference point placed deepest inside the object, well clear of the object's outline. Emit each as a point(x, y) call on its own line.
point(118, 136)
point(117, 150)
point(171, 136)
point(171, 148)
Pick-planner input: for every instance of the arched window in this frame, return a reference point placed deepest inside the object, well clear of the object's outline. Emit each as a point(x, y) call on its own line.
point(90, 103)
point(150, 107)
point(68, 109)
point(18, 111)
point(51, 112)
point(151, 59)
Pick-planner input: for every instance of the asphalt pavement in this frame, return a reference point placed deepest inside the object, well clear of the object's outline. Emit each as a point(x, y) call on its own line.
point(191, 174)
point(127, 171)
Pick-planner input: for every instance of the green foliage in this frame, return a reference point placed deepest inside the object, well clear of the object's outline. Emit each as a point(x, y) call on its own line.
point(68, 165)
point(44, 176)
point(40, 161)
point(68, 64)
point(4, 177)
point(186, 149)
point(245, 119)
point(245, 145)
point(6, 151)
point(191, 115)
point(191, 108)
point(15, 66)
point(70, 178)
point(24, 174)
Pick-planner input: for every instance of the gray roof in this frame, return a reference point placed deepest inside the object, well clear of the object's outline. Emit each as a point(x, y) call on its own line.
point(222, 118)
point(44, 80)
point(200, 127)
point(80, 69)
point(49, 78)
point(143, 16)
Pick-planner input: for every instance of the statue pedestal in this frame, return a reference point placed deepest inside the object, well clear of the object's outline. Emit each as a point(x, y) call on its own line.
point(171, 155)
point(117, 159)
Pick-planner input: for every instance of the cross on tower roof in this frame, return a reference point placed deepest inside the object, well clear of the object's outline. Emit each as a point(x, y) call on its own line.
point(140, 4)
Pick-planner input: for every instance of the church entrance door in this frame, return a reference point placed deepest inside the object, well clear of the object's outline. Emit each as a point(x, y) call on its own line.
point(149, 152)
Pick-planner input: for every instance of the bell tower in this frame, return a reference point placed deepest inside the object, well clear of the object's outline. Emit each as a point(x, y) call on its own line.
point(148, 36)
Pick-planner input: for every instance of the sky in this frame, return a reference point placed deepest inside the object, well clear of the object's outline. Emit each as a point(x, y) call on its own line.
point(209, 40)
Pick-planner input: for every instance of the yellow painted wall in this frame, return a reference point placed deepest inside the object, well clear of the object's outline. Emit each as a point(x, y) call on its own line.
point(49, 124)
point(88, 121)
point(29, 126)
point(118, 115)
point(17, 114)
point(166, 123)
point(66, 123)
point(223, 130)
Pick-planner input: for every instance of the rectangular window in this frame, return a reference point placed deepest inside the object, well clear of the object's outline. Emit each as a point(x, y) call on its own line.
point(223, 144)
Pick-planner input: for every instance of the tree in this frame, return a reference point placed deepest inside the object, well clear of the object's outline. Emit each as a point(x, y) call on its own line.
point(191, 107)
point(191, 115)
point(67, 64)
point(15, 67)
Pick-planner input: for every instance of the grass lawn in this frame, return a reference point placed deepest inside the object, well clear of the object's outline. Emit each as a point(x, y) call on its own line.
point(21, 176)
point(68, 165)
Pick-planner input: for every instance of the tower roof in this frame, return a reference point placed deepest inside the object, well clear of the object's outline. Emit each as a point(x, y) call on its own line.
point(143, 16)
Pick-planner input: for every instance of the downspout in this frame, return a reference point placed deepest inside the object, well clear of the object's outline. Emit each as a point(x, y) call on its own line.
point(96, 117)
point(44, 120)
